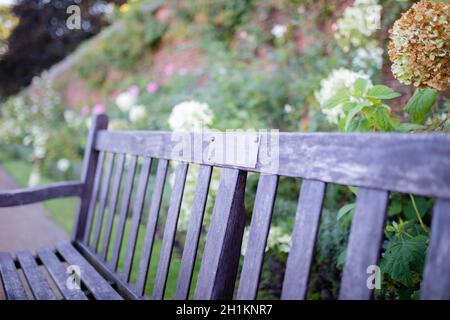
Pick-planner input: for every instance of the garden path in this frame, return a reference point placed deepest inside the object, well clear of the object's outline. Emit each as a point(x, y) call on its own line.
point(28, 227)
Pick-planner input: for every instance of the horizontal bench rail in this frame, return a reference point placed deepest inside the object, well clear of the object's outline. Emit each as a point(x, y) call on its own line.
point(19, 197)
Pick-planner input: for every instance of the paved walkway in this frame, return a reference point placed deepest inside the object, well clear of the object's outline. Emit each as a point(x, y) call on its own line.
point(28, 227)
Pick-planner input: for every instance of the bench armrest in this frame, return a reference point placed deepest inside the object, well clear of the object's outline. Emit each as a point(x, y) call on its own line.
point(18, 197)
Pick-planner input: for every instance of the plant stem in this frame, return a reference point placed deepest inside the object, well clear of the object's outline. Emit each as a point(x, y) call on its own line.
point(418, 213)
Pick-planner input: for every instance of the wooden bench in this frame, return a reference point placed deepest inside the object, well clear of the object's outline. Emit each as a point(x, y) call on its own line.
point(377, 163)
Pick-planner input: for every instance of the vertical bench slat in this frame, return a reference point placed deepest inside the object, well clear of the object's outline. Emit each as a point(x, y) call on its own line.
point(136, 217)
point(436, 279)
point(102, 201)
point(259, 230)
point(39, 286)
point(169, 231)
point(14, 289)
point(307, 221)
point(94, 196)
point(364, 243)
point(58, 273)
point(124, 211)
point(113, 204)
point(224, 238)
point(88, 176)
point(193, 233)
point(152, 222)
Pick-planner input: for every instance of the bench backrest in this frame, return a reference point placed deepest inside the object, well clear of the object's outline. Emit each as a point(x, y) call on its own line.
point(377, 163)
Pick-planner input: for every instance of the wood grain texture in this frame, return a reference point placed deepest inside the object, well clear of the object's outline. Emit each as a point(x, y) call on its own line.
point(126, 196)
point(112, 205)
point(307, 221)
point(90, 160)
point(89, 219)
point(193, 233)
point(224, 238)
point(436, 279)
point(152, 222)
point(257, 239)
point(136, 217)
point(57, 271)
point(364, 244)
point(95, 283)
point(36, 280)
point(170, 229)
point(56, 190)
point(12, 285)
point(356, 159)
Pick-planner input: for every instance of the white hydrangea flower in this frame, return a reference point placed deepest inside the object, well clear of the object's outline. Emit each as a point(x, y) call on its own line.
point(368, 58)
point(338, 79)
point(63, 164)
point(278, 30)
point(137, 113)
point(190, 116)
point(126, 100)
point(35, 177)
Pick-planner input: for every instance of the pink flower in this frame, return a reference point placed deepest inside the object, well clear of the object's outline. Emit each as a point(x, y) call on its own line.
point(98, 109)
point(152, 87)
point(169, 69)
point(85, 111)
point(134, 90)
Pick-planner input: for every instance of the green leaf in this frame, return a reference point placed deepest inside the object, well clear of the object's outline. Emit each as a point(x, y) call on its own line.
point(360, 87)
point(420, 104)
point(382, 119)
point(354, 190)
point(345, 210)
point(381, 92)
point(352, 113)
point(340, 97)
point(395, 208)
point(404, 256)
point(407, 127)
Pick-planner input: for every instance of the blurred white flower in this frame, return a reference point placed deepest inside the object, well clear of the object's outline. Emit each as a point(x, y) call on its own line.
point(35, 177)
point(278, 30)
point(288, 108)
point(190, 116)
point(63, 164)
point(368, 58)
point(137, 113)
point(126, 100)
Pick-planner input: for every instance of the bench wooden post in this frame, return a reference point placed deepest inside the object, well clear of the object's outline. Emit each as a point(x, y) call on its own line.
point(99, 122)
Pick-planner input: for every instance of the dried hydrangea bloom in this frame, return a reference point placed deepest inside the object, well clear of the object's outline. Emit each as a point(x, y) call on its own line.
point(420, 46)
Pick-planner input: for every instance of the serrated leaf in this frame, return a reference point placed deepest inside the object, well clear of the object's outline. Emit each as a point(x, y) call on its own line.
point(404, 256)
point(352, 113)
point(382, 119)
point(381, 92)
point(345, 210)
point(395, 208)
point(360, 87)
point(420, 104)
point(407, 127)
point(340, 97)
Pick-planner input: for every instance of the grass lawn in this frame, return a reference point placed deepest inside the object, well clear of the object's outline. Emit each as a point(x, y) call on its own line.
point(63, 211)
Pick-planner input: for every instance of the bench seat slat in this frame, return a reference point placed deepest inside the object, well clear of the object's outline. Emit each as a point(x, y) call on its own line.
point(96, 284)
point(58, 273)
point(193, 233)
point(259, 230)
point(112, 204)
point(136, 217)
point(307, 221)
point(152, 222)
point(364, 243)
point(36, 279)
point(123, 212)
point(436, 279)
point(12, 284)
point(169, 231)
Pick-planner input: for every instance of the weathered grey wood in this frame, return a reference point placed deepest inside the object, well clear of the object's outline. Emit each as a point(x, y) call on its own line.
point(350, 159)
point(152, 222)
point(307, 220)
point(58, 273)
point(257, 240)
point(95, 283)
point(136, 217)
point(12, 285)
point(193, 233)
point(113, 204)
point(436, 279)
point(224, 238)
point(126, 196)
point(56, 190)
point(363, 249)
point(93, 204)
point(169, 231)
point(102, 200)
point(39, 286)
point(99, 122)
